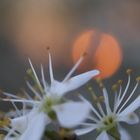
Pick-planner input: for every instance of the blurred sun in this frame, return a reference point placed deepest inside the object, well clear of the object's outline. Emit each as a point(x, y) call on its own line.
point(103, 52)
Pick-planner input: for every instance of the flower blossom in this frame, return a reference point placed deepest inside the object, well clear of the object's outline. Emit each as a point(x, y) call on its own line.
point(107, 121)
point(49, 104)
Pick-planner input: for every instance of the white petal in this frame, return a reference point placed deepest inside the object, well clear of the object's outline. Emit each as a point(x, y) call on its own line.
point(20, 123)
point(131, 108)
point(124, 134)
point(35, 128)
point(103, 136)
point(75, 82)
point(70, 114)
point(11, 138)
point(130, 119)
point(57, 88)
point(83, 131)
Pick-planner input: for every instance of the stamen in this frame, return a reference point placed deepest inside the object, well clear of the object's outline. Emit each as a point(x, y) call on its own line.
point(97, 100)
point(92, 108)
point(85, 54)
point(115, 88)
point(105, 94)
point(92, 93)
point(133, 91)
point(33, 90)
point(21, 101)
point(4, 122)
point(106, 101)
point(17, 110)
point(117, 98)
point(26, 94)
point(125, 91)
point(138, 79)
point(1, 136)
point(86, 124)
point(43, 78)
point(75, 67)
point(51, 68)
point(101, 98)
point(99, 81)
point(33, 70)
point(48, 48)
point(120, 82)
point(92, 118)
point(128, 71)
point(11, 95)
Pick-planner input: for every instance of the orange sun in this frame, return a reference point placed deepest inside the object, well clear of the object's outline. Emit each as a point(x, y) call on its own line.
point(104, 52)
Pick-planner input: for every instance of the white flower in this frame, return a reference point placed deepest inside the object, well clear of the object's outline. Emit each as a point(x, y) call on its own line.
point(26, 126)
point(108, 120)
point(50, 104)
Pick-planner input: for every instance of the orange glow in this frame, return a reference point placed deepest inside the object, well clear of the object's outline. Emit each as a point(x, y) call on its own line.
point(104, 52)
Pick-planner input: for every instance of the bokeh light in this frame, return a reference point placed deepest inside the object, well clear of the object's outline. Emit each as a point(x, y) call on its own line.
point(103, 52)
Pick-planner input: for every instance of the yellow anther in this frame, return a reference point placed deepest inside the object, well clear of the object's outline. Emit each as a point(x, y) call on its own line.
point(90, 88)
point(4, 122)
point(128, 71)
point(115, 87)
point(2, 136)
point(99, 81)
point(101, 98)
point(138, 79)
point(21, 95)
point(36, 98)
point(120, 82)
point(29, 71)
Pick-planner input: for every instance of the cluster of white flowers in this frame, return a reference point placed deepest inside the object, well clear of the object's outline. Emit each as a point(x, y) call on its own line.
point(107, 121)
point(48, 105)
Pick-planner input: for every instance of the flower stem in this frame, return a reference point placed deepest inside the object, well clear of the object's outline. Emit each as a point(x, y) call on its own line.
point(53, 135)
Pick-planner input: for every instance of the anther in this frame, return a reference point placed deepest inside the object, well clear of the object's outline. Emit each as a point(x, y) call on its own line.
point(84, 54)
point(29, 71)
point(4, 122)
point(90, 88)
point(120, 82)
point(99, 81)
point(115, 87)
point(92, 93)
point(2, 136)
point(138, 79)
point(48, 48)
point(128, 71)
point(101, 98)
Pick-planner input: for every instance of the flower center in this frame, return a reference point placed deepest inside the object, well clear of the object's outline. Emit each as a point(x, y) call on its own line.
point(47, 105)
point(108, 123)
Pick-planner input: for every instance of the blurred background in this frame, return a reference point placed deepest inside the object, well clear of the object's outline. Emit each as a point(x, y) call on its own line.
point(108, 31)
